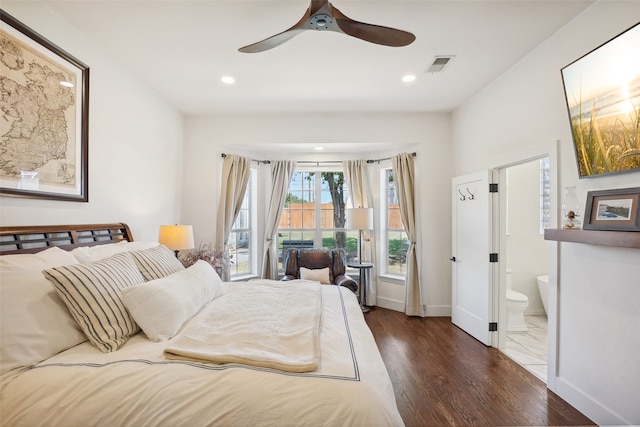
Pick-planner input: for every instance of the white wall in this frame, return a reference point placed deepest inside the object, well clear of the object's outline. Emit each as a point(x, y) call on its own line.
point(135, 143)
point(596, 366)
point(527, 251)
point(253, 135)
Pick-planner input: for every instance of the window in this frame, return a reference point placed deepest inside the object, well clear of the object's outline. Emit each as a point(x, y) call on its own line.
point(242, 237)
point(394, 239)
point(545, 195)
point(314, 214)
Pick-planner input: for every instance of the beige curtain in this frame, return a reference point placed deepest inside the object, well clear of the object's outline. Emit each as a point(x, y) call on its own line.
point(404, 176)
point(281, 173)
point(357, 178)
point(234, 179)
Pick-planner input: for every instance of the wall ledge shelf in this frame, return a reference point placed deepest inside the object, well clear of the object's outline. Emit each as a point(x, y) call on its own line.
point(621, 239)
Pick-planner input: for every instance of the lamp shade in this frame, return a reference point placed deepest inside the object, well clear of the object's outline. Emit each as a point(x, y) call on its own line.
point(359, 218)
point(176, 237)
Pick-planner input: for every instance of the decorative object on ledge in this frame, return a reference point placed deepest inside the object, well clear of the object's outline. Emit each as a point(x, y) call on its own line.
point(603, 101)
point(614, 210)
point(570, 209)
point(620, 239)
point(218, 258)
point(176, 237)
point(45, 97)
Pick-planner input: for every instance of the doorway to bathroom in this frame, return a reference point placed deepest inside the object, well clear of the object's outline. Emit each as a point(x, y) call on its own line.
point(525, 207)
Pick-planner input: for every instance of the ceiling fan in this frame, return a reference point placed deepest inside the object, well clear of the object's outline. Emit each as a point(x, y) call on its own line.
point(323, 16)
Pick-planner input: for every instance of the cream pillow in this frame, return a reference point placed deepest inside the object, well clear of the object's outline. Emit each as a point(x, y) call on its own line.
point(92, 291)
point(34, 323)
point(162, 306)
point(157, 262)
point(48, 258)
point(98, 252)
point(317, 275)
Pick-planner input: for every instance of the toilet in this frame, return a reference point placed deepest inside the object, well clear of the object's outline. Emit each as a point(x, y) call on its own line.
point(517, 303)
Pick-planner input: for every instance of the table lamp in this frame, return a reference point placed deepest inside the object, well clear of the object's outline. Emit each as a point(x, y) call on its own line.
point(176, 237)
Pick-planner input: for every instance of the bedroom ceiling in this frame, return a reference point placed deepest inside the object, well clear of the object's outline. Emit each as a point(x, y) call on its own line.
point(183, 49)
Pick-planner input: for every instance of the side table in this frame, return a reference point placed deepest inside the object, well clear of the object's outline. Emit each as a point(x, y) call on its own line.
point(364, 268)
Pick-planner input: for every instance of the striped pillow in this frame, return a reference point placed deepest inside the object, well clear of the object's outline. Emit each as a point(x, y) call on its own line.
point(92, 293)
point(156, 263)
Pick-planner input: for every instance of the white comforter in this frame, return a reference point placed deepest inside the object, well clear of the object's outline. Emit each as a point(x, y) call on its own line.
point(264, 323)
point(138, 386)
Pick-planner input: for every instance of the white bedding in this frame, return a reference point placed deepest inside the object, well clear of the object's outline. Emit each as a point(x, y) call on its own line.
point(138, 386)
point(263, 323)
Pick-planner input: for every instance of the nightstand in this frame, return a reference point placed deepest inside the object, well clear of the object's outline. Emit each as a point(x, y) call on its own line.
point(363, 283)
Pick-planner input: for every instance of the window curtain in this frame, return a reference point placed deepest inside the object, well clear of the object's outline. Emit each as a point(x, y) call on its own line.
point(235, 177)
point(404, 176)
point(281, 173)
point(357, 178)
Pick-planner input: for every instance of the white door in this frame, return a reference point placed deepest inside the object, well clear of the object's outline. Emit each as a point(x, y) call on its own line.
point(472, 266)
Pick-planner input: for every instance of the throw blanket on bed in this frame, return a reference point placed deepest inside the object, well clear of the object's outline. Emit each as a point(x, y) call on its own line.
point(263, 323)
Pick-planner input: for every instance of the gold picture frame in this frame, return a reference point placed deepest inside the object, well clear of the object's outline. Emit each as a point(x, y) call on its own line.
point(44, 98)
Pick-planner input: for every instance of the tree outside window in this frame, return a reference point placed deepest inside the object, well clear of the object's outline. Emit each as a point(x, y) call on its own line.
point(314, 214)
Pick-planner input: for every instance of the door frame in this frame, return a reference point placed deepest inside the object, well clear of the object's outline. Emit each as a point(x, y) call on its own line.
point(550, 150)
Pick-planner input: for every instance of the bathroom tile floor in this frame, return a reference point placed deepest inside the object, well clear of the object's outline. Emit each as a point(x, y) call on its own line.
point(529, 348)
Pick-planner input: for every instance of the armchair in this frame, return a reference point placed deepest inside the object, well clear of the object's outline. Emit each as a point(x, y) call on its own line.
point(314, 259)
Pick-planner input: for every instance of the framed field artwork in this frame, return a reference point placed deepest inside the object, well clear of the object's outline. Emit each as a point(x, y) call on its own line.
point(613, 210)
point(44, 99)
point(602, 91)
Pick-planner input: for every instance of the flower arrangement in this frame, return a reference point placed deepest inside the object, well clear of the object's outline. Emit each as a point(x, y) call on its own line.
point(218, 258)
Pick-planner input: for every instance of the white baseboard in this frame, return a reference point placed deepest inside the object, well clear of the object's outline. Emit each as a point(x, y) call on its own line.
point(432, 310)
point(438, 311)
point(391, 304)
point(598, 413)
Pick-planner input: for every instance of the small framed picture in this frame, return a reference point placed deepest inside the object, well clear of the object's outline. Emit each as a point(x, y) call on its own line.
point(616, 210)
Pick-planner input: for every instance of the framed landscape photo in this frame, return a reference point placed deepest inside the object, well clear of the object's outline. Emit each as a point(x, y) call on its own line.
point(602, 92)
point(613, 210)
point(44, 99)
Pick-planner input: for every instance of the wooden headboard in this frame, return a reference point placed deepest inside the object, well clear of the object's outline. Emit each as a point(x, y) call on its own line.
point(31, 239)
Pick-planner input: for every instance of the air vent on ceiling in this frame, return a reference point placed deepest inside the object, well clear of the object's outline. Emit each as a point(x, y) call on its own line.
point(440, 63)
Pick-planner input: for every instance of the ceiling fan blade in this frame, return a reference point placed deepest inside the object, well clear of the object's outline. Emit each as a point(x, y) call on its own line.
point(278, 39)
point(270, 42)
point(372, 33)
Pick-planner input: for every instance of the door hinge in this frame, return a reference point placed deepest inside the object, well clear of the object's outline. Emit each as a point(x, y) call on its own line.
point(493, 188)
point(493, 257)
point(493, 326)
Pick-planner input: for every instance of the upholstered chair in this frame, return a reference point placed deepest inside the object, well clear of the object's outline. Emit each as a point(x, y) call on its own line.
point(315, 260)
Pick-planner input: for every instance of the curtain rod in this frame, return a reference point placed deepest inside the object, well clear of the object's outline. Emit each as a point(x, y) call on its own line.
point(319, 162)
point(387, 158)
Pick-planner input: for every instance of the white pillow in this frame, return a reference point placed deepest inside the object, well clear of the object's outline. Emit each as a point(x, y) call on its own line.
point(92, 294)
point(98, 252)
point(162, 306)
point(317, 275)
point(51, 257)
point(34, 323)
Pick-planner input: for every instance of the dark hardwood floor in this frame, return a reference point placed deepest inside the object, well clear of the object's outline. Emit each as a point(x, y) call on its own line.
point(443, 377)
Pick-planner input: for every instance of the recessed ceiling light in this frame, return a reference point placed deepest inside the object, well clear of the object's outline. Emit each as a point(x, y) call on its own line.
point(228, 80)
point(408, 78)
point(319, 148)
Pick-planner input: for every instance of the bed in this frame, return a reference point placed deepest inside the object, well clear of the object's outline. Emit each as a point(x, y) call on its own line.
point(59, 370)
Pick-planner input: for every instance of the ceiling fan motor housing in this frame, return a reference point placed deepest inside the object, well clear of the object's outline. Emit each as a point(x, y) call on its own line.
point(321, 21)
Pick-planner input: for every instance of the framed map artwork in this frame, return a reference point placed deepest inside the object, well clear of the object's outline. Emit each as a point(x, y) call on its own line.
point(44, 99)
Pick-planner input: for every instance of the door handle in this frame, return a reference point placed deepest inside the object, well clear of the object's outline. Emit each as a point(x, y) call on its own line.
point(452, 259)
